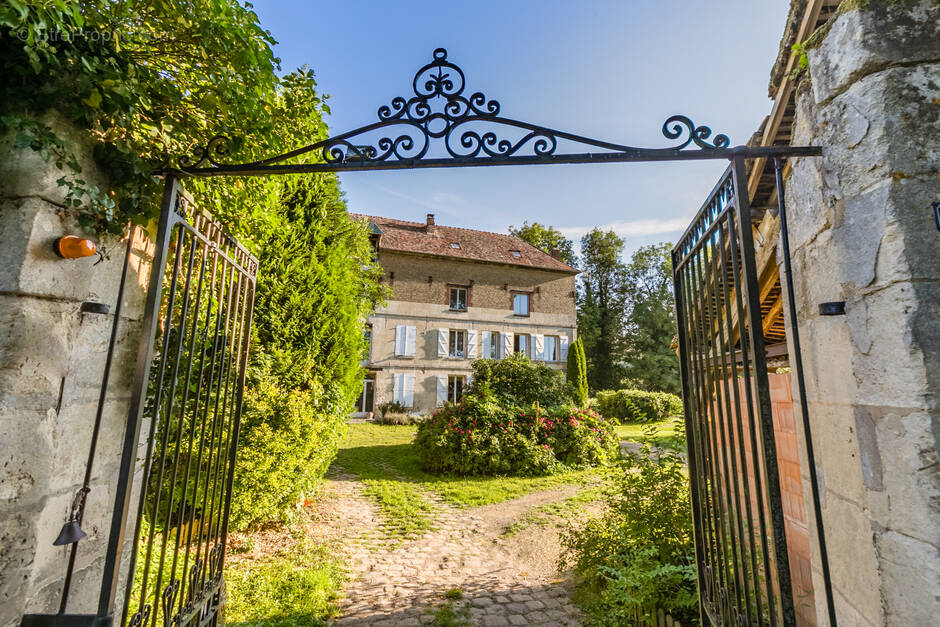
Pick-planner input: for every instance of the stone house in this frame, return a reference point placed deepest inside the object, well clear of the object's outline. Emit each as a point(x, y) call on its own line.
point(458, 295)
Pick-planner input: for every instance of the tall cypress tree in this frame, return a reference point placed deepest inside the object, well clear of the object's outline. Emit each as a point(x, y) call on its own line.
point(577, 373)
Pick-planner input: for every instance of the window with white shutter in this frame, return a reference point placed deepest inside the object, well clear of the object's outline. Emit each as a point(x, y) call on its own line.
point(441, 390)
point(538, 347)
point(442, 342)
point(410, 336)
point(400, 339)
point(408, 390)
point(471, 344)
point(486, 342)
point(397, 388)
point(507, 344)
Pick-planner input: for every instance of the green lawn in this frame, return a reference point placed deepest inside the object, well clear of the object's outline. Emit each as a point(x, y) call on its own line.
point(656, 433)
point(383, 457)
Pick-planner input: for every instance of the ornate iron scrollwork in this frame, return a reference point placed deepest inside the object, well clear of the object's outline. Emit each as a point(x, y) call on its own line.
point(470, 129)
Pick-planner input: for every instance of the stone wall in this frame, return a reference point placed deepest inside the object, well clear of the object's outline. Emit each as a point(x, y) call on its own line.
point(51, 364)
point(493, 283)
point(862, 231)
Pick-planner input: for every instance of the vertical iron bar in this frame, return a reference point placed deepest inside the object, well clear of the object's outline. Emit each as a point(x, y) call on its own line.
point(717, 573)
point(781, 557)
point(719, 291)
point(720, 471)
point(691, 437)
point(759, 481)
point(171, 395)
point(125, 483)
point(797, 359)
point(740, 446)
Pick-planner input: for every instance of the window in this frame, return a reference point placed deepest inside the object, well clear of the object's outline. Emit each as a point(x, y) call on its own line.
point(520, 304)
point(458, 344)
point(551, 348)
point(405, 337)
point(367, 332)
point(455, 388)
point(455, 245)
point(459, 298)
point(367, 397)
point(520, 344)
point(515, 253)
point(493, 347)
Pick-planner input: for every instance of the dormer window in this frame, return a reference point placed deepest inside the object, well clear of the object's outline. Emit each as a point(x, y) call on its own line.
point(455, 245)
point(515, 253)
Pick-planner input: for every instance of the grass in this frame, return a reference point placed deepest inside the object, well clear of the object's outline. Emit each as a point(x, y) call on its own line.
point(384, 459)
point(665, 431)
point(294, 587)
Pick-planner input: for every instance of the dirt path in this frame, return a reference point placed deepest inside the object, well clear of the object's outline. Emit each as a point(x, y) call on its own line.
point(503, 579)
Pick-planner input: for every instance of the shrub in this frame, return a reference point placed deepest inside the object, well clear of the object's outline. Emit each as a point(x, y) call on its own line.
point(577, 373)
point(638, 406)
point(639, 554)
point(517, 380)
point(484, 436)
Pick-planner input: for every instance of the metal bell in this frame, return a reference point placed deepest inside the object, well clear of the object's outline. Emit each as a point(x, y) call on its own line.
point(71, 533)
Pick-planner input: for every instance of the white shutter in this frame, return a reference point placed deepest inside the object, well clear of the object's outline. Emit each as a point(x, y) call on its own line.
point(442, 342)
point(410, 333)
point(538, 347)
point(563, 340)
point(408, 390)
point(400, 339)
point(441, 390)
point(507, 344)
point(471, 344)
point(487, 343)
point(396, 388)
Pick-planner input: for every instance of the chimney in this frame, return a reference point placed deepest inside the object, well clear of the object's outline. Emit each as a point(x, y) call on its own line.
point(556, 254)
point(430, 224)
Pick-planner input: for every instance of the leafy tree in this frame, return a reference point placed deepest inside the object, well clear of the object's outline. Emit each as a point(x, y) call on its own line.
point(546, 238)
point(577, 373)
point(650, 362)
point(602, 307)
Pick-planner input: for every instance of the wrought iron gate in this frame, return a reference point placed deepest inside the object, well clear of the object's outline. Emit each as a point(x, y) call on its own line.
point(743, 571)
point(191, 407)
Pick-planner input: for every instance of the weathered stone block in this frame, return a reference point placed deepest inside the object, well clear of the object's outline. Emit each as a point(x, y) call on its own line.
point(906, 577)
point(860, 42)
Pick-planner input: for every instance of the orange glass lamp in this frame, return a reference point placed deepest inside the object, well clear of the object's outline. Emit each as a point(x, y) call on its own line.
point(71, 247)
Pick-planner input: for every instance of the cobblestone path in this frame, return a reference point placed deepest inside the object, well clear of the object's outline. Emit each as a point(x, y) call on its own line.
point(501, 580)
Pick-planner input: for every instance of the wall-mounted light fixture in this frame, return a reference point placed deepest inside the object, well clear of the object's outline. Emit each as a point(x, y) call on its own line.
point(71, 247)
point(430, 279)
point(505, 286)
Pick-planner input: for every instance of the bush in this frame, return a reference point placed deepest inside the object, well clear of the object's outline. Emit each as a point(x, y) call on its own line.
point(639, 554)
point(638, 406)
point(485, 436)
point(517, 380)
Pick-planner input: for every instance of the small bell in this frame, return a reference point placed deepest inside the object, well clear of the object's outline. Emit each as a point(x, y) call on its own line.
point(71, 532)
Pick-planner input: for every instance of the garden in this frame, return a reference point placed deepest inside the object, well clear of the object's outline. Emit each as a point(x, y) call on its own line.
point(585, 513)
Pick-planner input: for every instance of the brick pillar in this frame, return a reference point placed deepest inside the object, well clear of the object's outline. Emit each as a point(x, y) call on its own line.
point(862, 231)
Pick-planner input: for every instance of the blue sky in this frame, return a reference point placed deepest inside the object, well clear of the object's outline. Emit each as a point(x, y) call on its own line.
point(605, 69)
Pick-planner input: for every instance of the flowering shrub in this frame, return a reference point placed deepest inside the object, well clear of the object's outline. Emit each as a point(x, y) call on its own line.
point(483, 436)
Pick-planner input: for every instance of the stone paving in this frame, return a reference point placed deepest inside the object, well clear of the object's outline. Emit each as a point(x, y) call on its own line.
point(403, 583)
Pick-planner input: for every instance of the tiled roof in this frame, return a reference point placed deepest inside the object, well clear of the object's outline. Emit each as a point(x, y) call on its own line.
point(413, 237)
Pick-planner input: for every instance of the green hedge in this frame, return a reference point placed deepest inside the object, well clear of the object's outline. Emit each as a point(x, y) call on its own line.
point(517, 380)
point(637, 405)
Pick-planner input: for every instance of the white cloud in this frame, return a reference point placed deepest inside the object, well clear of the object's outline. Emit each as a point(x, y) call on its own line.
point(631, 228)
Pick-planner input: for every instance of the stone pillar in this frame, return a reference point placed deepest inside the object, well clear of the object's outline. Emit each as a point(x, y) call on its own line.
point(51, 363)
point(862, 231)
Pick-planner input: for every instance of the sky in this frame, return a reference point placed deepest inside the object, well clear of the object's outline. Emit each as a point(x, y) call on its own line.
point(607, 69)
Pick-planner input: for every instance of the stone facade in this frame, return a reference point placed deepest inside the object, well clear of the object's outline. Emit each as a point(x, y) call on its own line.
point(862, 231)
point(420, 287)
point(51, 363)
